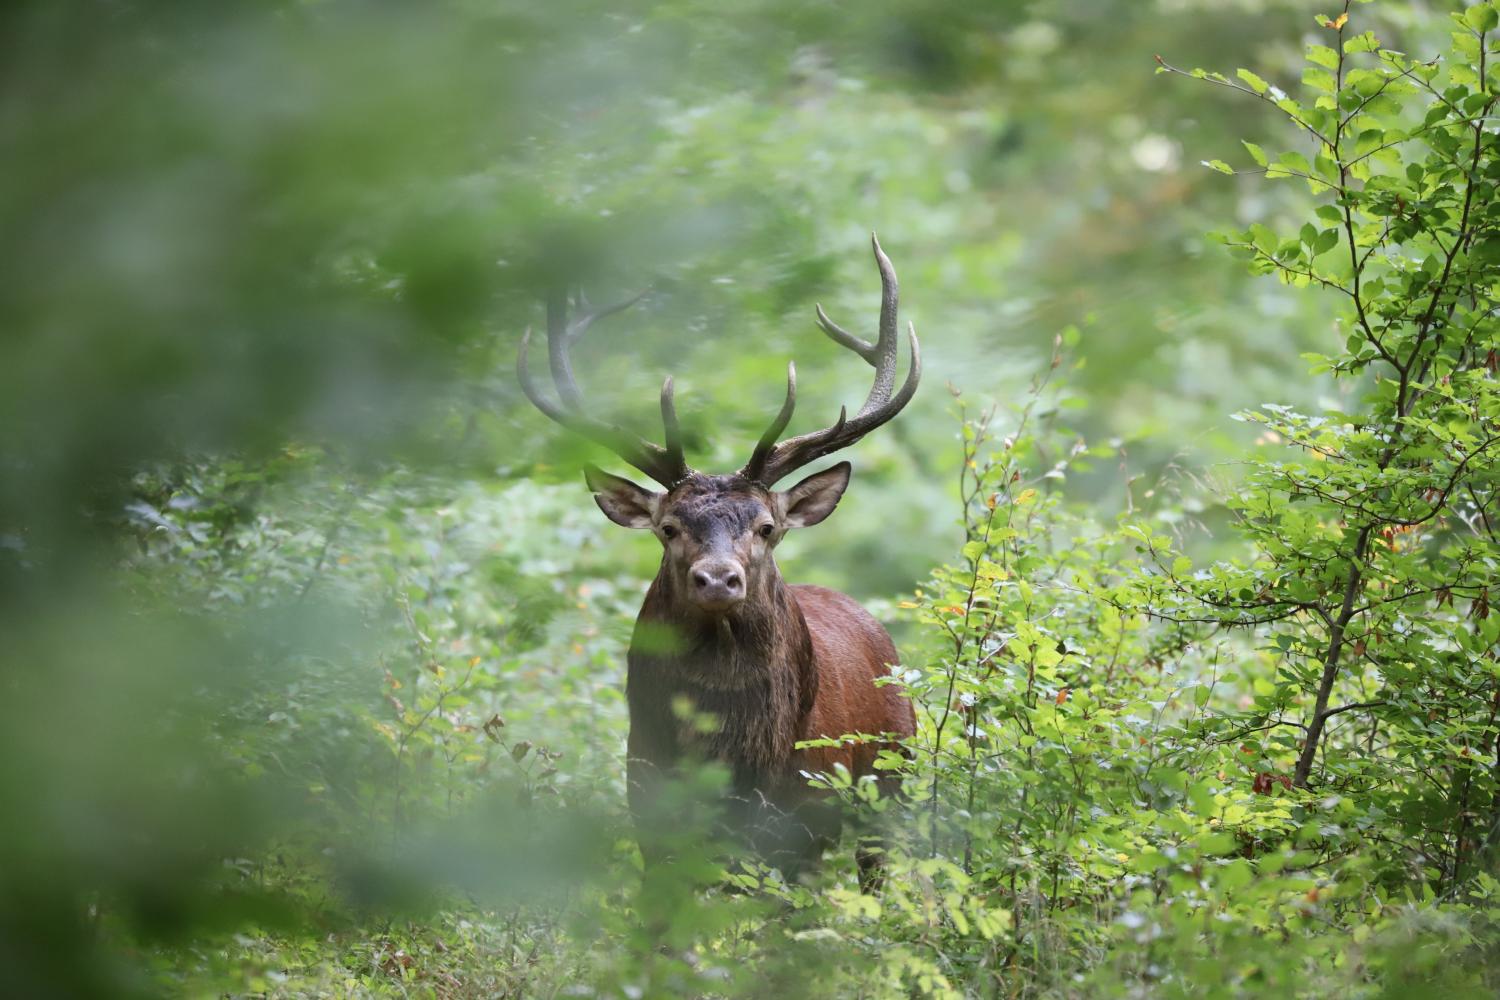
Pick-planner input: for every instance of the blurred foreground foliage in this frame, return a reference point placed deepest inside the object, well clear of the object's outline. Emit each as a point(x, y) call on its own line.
point(313, 677)
point(332, 220)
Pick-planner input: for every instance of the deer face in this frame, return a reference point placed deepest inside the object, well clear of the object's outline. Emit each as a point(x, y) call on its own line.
point(718, 532)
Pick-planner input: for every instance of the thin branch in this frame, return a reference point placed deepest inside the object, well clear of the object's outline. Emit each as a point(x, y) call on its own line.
point(1330, 713)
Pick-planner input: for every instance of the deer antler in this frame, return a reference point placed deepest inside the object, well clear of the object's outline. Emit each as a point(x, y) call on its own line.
point(666, 465)
point(771, 461)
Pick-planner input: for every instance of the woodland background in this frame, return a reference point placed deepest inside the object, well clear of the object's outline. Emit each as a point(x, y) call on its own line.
point(313, 658)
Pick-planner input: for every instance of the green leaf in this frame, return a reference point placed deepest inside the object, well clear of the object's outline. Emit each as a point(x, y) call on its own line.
point(1323, 56)
point(1466, 45)
point(1235, 875)
point(1319, 79)
point(1254, 82)
point(1369, 140)
point(1201, 795)
point(1289, 164)
point(1256, 153)
point(1214, 844)
point(1219, 165)
point(1481, 17)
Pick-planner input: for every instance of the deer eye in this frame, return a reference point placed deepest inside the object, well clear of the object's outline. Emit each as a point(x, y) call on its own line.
point(766, 529)
point(669, 531)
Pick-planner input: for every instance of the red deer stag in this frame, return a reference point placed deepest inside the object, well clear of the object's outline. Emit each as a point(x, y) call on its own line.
point(772, 664)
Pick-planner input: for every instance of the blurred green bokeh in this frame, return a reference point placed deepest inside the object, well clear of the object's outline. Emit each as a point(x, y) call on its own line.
point(266, 266)
point(226, 227)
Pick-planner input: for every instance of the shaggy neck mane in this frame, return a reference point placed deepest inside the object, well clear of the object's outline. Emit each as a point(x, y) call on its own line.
point(751, 669)
point(744, 639)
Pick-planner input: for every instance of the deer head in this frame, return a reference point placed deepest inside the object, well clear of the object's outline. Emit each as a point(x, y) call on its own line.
point(718, 531)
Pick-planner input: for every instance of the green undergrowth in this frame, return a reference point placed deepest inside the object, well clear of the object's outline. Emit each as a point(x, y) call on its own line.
point(1159, 754)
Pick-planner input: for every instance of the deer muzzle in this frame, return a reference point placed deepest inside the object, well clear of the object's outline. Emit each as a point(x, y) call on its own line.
point(718, 584)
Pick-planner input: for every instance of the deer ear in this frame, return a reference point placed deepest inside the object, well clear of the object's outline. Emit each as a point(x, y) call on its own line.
point(622, 501)
point(813, 499)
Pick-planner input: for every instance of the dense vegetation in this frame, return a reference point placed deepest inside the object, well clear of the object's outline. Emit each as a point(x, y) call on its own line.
point(315, 643)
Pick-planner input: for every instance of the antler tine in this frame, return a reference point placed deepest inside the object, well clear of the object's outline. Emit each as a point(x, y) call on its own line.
point(796, 452)
point(844, 338)
point(665, 465)
point(888, 342)
point(770, 461)
point(562, 334)
point(672, 433)
point(559, 339)
point(756, 466)
point(533, 392)
point(581, 325)
point(880, 355)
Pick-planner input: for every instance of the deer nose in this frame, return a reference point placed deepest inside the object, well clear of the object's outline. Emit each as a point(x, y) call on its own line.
point(718, 582)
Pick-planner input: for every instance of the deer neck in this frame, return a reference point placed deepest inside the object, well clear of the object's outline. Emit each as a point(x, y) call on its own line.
point(750, 671)
point(740, 648)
